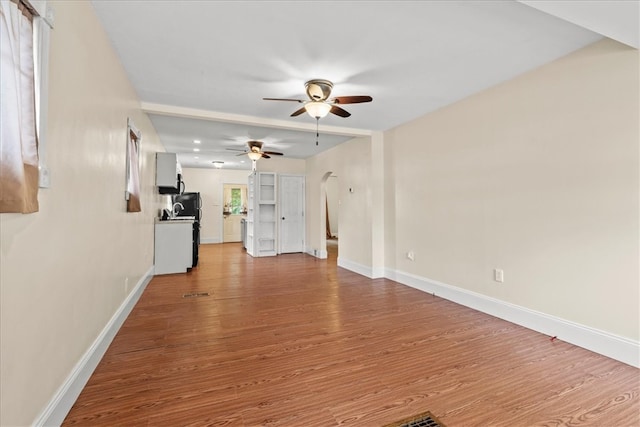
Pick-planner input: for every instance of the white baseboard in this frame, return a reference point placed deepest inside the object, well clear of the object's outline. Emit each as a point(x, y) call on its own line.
point(365, 270)
point(322, 254)
point(619, 348)
point(210, 240)
point(66, 395)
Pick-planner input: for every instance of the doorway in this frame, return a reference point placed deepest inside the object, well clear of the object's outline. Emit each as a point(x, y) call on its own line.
point(328, 245)
point(332, 203)
point(234, 209)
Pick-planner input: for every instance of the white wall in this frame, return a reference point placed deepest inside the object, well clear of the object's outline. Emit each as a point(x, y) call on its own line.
point(539, 177)
point(68, 268)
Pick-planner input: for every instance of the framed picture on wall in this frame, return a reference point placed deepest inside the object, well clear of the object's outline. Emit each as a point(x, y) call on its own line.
point(132, 193)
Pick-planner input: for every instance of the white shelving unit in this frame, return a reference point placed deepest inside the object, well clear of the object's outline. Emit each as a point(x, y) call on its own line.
point(261, 214)
point(250, 236)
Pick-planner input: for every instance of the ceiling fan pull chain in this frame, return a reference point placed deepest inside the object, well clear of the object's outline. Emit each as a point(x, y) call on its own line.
point(317, 131)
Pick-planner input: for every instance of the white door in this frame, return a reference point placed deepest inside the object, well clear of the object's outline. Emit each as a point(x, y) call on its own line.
point(291, 213)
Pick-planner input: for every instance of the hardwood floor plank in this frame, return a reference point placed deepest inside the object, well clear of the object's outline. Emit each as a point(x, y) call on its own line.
point(296, 341)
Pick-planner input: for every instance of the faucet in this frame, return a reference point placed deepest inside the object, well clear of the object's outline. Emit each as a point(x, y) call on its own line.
point(173, 209)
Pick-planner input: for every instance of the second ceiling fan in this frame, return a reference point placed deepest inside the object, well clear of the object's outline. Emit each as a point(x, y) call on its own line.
point(319, 104)
point(255, 151)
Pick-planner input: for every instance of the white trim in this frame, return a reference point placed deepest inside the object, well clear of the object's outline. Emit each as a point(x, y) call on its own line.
point(619, 348)
point(370, 272)
point(64, 398)
point(364, 270)
point(210, 240)
point(377, 272)
point(317, 253)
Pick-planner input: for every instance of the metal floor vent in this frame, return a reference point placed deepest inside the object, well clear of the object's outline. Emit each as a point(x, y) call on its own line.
point(196, 295)
point(425, 419)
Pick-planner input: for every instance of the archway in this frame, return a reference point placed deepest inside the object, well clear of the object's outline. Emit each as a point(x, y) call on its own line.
point(333, 215)
point(324, 223)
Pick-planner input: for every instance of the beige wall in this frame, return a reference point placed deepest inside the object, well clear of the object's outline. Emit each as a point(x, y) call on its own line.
point(538, 177)
point(351, 162)
point(282, 165)
point(66, 269)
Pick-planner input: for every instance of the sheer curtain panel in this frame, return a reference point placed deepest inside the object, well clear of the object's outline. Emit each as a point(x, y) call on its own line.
point(18, 143)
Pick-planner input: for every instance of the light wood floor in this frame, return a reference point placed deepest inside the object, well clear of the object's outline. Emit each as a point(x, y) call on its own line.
point(295, 341)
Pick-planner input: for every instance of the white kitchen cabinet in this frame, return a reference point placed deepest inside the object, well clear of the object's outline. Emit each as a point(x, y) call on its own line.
point(166, 169)
point(173, 246)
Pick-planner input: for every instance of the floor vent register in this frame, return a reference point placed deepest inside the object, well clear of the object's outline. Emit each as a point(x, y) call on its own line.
point(426, 419)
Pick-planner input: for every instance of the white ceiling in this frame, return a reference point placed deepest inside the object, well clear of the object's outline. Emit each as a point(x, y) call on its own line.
point(201, 68)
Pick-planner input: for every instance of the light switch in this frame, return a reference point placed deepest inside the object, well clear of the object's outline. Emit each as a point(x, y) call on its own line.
point(44, 178)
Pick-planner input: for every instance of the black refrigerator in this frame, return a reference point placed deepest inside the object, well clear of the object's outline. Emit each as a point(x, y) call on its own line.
point(192, 203)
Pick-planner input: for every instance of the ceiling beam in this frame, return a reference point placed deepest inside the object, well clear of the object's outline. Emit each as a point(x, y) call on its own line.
point(194, 113)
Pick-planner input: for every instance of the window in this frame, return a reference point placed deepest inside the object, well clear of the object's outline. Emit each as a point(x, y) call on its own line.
point(235, 196)
point(133, 168)
point(236, 201)
point(23, 46)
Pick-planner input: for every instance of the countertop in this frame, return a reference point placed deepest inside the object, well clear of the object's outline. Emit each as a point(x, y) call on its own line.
point(183, 220)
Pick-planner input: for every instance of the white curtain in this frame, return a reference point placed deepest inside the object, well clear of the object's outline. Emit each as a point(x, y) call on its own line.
point(18, 141)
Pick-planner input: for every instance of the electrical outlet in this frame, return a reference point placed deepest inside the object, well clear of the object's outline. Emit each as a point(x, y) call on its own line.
point(411, 255)
point(498, 275)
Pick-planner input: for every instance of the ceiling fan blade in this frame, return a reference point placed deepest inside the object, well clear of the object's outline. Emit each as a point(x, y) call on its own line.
point(351, 99)
point(283, 99)
point(235, 149)
point(241, 154)
point(339, 111)
point(265, 156)
point(273, 153)
point(298, 112)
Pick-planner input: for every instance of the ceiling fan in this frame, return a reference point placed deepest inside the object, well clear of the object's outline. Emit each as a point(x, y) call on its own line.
point(255, 151)
point(319, 104)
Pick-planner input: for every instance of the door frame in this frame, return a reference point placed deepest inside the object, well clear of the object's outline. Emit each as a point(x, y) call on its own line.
point(304, 209)
point(222, 184)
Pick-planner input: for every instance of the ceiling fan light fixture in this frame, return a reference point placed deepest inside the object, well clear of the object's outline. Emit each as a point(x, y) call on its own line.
point(254, 155)
point(318, 89)
point(317, 109)
point(218, 164)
